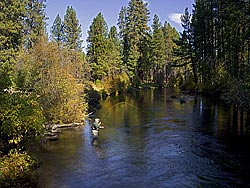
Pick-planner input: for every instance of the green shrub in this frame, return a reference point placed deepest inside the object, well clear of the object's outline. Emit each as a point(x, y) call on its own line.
point(17, 169)
point(21, 118)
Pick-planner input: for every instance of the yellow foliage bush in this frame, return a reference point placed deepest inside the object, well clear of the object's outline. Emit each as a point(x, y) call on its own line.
point(112, 85)
point(57, 76)
point(17, 169)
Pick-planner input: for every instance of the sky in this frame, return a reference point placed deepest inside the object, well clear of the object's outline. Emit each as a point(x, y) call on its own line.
point(87, 10)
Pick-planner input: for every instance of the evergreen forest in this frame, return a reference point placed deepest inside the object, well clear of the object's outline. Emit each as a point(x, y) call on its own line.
point(47, 77)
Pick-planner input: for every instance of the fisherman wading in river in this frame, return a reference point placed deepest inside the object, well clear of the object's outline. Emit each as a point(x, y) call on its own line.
point(96, 126)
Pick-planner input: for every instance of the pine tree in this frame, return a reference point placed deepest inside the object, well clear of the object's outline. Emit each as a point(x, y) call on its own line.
point(158, 51)
point(145, 64)
point(122, 22)
point(185, 51)
point(170, 37)
point(114, 52)
point(123, 33)
point(34, 21)
point(72, 30)
point(97, 47)
point(187, 39)
point(11, 37)
point(136, 31)
point(57, 34)
point(200, 41)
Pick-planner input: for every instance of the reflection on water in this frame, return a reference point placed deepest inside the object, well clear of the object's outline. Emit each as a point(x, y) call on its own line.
point(151, 140)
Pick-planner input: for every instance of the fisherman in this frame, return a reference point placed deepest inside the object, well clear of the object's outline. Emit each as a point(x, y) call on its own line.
point(97, 124)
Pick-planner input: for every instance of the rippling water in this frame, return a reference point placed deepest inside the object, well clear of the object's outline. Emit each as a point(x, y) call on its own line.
point(151, 140)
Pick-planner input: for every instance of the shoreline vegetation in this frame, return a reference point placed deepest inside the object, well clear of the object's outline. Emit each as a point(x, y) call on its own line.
point(48, 78)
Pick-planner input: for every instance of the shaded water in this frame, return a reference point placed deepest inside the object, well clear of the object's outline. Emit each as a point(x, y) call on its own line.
point(151, 140)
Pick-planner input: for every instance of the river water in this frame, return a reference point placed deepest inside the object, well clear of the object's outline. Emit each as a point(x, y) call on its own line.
point(152, 140)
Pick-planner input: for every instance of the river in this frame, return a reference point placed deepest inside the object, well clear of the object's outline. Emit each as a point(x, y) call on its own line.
point(152, 140)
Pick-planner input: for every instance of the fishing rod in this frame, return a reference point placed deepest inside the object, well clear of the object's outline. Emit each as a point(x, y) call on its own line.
point(123, 103)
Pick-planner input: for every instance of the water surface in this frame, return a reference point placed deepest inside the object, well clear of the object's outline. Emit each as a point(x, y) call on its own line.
point(151, 140)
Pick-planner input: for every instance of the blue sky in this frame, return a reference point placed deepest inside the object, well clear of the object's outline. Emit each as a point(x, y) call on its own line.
point(86, 10)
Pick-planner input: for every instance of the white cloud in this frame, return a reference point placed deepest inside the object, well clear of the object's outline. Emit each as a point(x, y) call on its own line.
point(175, 17)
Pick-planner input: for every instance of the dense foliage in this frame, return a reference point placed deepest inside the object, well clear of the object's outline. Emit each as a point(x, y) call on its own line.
point(17, 170)
point(22, 23)
point(53, 74)
point(40, 81)
point(21, 119)
point(215, 46)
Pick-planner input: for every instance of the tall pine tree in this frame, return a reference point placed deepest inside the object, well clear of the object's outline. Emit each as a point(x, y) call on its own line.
point(114, 52)
point(34, 22)
point(72, 30)
point(97, 47)
point(185, 52)
point(134, 32)
point(170, 37)
point(123, 33)
point(158, 52)
point(57, 33)
point(11, 37)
